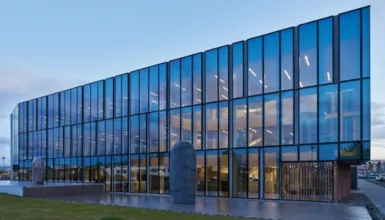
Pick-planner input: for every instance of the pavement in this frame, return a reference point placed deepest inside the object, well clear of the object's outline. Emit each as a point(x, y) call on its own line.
point(374, 192)
point(250, 208)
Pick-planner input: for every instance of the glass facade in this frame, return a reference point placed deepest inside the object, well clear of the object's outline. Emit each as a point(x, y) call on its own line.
point(298, 95)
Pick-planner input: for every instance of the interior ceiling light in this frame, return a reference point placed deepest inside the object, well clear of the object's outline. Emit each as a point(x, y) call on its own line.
point(307, 60)
point(252, 72)
point(287, 74)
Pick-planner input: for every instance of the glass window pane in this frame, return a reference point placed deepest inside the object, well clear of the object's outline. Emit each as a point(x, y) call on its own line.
point(289, 153)
point(154, 132)
point(134, 92)
point(223, 124)
point(94, 101)
point(325, 51)
point(125, 139)
point(74, 106)
point(287, 72)
point(109, 104)
point(162, 131)
point(162, 86)
point(350, 45)
point(80, 138)
point(365, 42)
point(328, 113)
point(197, 127)
point(186, 81)
point(164, 172)
point(174, 126)
point(200, 176)
point(186, 125)
point(154, 173)
point(287, 108)
point(79, 116)
point(56, 110)
point(224, 173)
point(211, 126)
point(255, 121)
point(271, 173)
point(175, 83)
point(143, 90)
point(239, 123)
point(118, 96)
point(93, 139)
point(154, 91)
point(237, 70)
point(109, 137)
point(350, 151)
point(253, 170)
point(87, 103)
point(240, 174)
point(101, 138)
point(308, 116)
point(101, 100)
point(212, 75)
point(67, 141)
point(134, 173)
point(212, 173)
point(74, 149)
point(117, 136)
point(125, 94)
point(143, 133)
point(272, 127)
point(197, 81)
point(223, 73)
point(254, 59)
point(42, 114)
point(271, 62)
point(366, 109)
point(62, 111)
point(350, 126)
point(308, 54)
point(67, 107)
point(51, 114)
point(134, 134)
point(86, 139)
point(308, 153)
point(328, 152)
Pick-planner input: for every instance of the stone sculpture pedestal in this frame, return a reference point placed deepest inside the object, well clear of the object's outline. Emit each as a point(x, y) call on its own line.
point(37, 171)
point(183, 173)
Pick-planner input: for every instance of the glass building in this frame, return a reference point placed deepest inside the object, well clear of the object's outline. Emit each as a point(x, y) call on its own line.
point(278, 116)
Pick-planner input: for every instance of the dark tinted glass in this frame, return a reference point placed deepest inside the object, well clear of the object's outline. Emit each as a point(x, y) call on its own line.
point(325, 51)
point(350, 63)
point(212, 75)
point(287, 74)
point(237, 70)
point(254, 62)
point(174, 83)
point(308, 54)
point(271, 62)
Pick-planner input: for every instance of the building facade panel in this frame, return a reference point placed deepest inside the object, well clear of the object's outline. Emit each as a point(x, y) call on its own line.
point(298, 97)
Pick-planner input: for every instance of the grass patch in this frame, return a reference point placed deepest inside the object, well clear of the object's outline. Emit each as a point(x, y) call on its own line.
point(17, 208)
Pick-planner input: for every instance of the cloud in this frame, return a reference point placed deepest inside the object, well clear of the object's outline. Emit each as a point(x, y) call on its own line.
point(377, 114)
point(30, 85)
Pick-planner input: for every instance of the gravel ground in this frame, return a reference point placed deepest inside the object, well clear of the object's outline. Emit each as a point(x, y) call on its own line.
point(362, 200)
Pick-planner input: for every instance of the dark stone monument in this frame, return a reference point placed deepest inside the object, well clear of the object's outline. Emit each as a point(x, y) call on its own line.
point(183, 173)
point(38, 171)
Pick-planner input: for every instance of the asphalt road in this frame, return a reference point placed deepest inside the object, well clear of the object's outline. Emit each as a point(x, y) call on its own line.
point(382, 184)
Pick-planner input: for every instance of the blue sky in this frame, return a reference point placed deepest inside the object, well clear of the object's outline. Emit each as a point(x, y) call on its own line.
point(48, 46)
